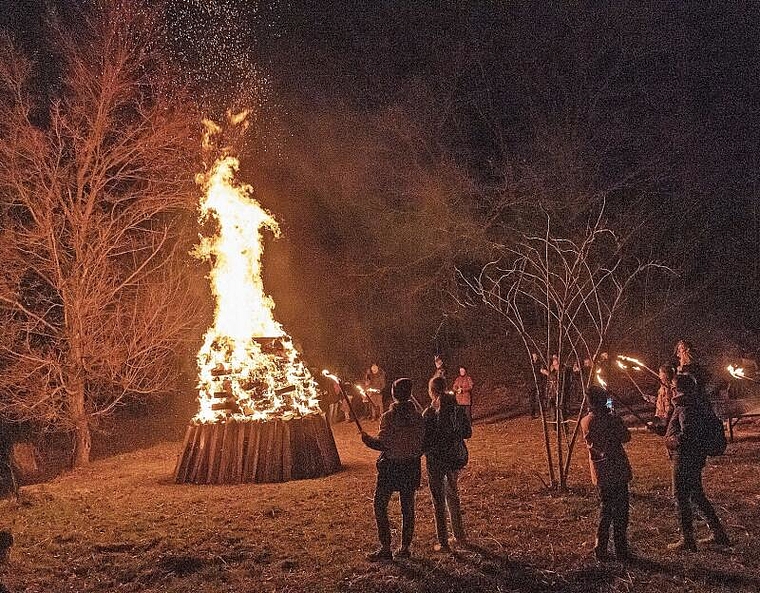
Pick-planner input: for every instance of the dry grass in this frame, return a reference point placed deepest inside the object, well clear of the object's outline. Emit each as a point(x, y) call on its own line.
point(122, 525)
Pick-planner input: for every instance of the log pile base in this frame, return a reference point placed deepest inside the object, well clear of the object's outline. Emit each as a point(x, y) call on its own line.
point(276, 450)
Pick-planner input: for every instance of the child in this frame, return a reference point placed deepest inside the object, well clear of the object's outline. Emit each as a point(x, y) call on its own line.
point(605, 434)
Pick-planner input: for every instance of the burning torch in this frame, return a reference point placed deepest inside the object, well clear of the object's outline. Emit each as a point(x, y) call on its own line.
point(738, 373)
point(600, 380)
point(338, 382)
point(637, 364)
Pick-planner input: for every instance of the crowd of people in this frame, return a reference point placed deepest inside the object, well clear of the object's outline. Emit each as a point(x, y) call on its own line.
point(683, 416)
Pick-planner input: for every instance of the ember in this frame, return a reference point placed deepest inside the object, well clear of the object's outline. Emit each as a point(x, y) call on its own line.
point(259, 418)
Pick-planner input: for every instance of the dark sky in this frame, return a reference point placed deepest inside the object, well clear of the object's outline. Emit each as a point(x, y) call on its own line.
point(667, 88)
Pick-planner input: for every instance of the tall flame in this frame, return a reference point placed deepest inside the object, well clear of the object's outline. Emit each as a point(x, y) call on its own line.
point(248, 367)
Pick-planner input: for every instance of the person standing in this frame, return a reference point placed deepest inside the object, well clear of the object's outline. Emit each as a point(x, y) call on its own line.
point(374, 384)
point(401, 437)
point(605, 434)
point(663, 401)
point(462, 388)
point(446, 428)
point(440, 368)
point(538, 391)
point(686, 433)
point(688, 364)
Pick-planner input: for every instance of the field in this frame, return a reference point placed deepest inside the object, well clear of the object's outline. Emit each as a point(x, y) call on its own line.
point(122, 525)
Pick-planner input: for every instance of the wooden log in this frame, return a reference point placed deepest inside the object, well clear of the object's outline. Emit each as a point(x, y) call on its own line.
point(252, 457)
point(227, 458)
point(239, 451)
point(287, 455)
point(262, 462)
point(214, 454)
point(275, 474)
point(200, 462)
point(184, 455)
point(327, 447)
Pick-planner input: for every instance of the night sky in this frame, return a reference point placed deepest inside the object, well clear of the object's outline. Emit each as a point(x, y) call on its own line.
point(653, 107)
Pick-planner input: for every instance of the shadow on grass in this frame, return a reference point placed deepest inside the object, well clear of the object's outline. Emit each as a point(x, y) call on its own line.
point(721, 579)
point(478, 569)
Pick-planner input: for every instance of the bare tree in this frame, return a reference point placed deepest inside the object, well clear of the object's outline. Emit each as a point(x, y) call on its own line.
point(95, 185)
point(562, 296)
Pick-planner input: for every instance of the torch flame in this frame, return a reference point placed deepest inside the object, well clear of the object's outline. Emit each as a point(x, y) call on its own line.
point(233, 363)
point(736, 372)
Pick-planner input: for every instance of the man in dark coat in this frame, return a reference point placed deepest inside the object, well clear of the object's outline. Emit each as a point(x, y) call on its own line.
point(684, 437)
point(605, 434)
point(400, 439)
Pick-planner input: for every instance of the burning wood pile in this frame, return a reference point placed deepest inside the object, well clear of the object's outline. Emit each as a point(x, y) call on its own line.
point(259, 418)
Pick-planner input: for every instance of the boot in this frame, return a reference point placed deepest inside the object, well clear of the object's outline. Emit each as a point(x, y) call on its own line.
point(380, 555)
point(402, 553)
point(718, 537)
point(684, 544)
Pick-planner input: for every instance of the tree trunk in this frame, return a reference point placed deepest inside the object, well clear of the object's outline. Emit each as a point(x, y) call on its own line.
point(83, 438)
point(76, 391)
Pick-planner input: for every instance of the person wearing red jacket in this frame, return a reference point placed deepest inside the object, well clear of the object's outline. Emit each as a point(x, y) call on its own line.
point(462, 388)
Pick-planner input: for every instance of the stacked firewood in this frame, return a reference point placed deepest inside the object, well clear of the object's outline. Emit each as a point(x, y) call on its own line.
point(275, 450)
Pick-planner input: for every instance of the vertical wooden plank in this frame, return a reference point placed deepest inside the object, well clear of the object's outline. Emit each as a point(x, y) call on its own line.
point(261, 466)
point(214, 454)
point(199, 466)
point(185, 456)
point(275, 454)
point(242, 434)
point(225, 452)
point(286, 456)
point(326, 442)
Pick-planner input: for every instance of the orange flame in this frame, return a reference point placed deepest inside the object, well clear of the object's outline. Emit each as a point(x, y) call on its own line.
point(254, 379)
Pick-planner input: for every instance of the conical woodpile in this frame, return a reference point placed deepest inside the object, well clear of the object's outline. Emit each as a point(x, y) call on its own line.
point(275, 450)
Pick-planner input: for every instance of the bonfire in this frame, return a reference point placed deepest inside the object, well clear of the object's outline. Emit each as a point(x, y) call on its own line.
point(259, 418)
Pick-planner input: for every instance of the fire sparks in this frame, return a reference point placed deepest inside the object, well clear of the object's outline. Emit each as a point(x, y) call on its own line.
point(248, 366)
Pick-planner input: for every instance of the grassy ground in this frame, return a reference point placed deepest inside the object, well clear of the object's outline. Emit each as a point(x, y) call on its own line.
point(122, 525)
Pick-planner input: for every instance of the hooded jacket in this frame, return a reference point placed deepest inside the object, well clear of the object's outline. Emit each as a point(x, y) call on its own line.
point(605, 434)
point(687, 428)
point(401, 435)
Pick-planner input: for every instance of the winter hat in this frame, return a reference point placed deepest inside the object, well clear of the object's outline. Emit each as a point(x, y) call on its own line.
point(597, 397)
point(402, 389)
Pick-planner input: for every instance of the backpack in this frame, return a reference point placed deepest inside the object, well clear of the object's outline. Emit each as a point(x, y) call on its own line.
point(714, 440)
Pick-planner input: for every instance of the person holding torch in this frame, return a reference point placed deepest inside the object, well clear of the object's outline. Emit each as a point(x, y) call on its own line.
point(400, 440)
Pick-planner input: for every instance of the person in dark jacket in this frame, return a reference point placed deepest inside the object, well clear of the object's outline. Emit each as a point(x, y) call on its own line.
point(401, 436)
point(684, 437)
point(446, 427)
point(605, 434)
